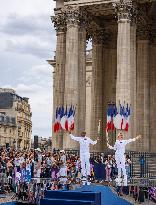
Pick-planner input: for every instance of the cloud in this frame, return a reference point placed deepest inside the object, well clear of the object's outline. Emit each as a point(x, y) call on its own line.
point(31, 35)
point(27, 25)
point(27, 39)
point(43, 69)
point(22, 88)
point(41, 74)
point(40, 99)
point(36, 84)
point(29, 47)
point(26, 7)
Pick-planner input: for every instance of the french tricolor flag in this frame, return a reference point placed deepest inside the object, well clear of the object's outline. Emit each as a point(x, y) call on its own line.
point(108, 124)
point(57, 120)
point(64, 119)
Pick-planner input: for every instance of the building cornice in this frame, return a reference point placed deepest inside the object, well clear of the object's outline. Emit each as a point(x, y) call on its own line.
point(94, 2)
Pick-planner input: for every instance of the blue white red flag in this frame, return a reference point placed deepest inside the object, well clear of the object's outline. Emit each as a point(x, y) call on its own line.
point(64, 118)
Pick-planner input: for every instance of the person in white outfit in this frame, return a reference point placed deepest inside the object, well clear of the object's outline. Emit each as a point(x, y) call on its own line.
point(119, 148)
point(84, 152)
point(63, 167)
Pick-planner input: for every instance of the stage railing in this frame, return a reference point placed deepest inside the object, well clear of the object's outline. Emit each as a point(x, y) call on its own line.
point(143, 163)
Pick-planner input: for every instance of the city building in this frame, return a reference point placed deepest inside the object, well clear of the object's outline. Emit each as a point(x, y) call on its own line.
point(15, 120)
point(43, 143)
point(123, 36)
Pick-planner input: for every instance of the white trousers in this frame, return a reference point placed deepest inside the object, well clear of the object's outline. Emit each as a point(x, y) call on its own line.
point(120, 161)
point(63, 172)
point(85, 165)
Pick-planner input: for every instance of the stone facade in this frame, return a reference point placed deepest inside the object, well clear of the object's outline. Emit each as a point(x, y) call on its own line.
point(7, 130)
point(122, 66)
point(15, 120)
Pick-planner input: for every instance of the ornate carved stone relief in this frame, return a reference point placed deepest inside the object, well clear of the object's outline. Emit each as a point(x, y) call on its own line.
point(59, 21)
point(89, 81)
point(98, 34)
point(143, 22)
point(72, 14)
point(85, 18)
point(123, 9)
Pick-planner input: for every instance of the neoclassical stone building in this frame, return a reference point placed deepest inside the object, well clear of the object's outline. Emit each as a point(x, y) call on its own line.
point(123, 35)
point(15, 120)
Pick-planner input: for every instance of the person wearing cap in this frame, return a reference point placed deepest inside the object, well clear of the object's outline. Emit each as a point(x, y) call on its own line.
point(84, 152)
point(119, 148)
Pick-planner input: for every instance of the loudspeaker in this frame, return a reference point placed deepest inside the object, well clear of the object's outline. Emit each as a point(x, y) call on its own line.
point(35, 141)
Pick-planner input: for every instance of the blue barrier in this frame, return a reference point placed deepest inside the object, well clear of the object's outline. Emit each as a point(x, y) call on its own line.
point(71, 198)
point(99, 171)
point(9, 203)
point(65, 202)
point(83, 195)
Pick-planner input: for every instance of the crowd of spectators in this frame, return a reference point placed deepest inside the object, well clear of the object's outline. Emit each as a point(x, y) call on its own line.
point(29, 173)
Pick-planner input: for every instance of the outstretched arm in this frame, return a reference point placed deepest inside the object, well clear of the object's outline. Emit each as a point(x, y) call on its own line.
point(94, 142)
point(73, 137)
point(138, 137)
point(132, 140)
point(111, 147)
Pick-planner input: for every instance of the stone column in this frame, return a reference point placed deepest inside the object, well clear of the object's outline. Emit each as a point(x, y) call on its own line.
point(59, 81)
point(123, 94)
point(143, 98)
point(88, 93)
point(109, 72)
point(97, 89)
point(133, 83)
point(82, 75)
point(153, 94)
point(83, 21)
point(123, 52)
point(71, 71)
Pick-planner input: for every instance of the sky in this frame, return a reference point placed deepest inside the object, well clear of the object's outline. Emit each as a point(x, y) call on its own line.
point(27, 40)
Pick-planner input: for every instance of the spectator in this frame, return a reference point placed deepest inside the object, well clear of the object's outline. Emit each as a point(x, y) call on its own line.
point(142, 166)
point(108, 168)
point(128, 167)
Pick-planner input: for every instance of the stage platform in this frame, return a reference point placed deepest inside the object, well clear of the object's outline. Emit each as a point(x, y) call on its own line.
point(85, 195)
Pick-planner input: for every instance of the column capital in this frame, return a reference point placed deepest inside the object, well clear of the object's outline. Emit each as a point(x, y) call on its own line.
point(84, 18)
point(143, 26)
point(59, 21)
point(153, 33)
point(72, 15)
point(123, 10)
point(134, 13)
point(143, 32)
point(98, 34)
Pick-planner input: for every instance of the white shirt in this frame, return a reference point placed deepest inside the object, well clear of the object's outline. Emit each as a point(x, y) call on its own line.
point(22, 160)
point(84, 143)
point(17, 162)
point(63, 159)
point(119, 146)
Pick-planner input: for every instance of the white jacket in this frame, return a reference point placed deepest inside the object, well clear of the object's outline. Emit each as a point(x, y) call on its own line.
point(84, 144)
point(119, 146)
